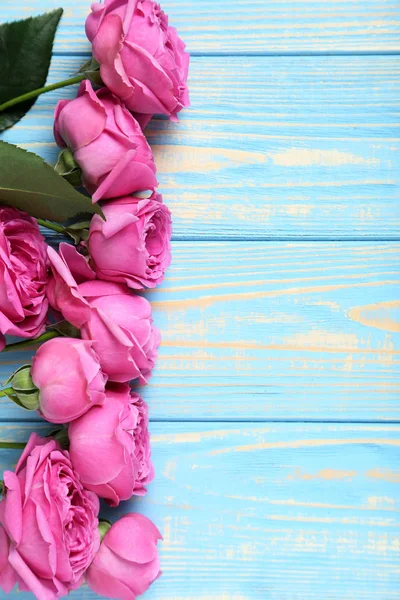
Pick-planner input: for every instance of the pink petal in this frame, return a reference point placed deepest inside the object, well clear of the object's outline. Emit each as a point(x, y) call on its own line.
point(108, 40)
point(107, 586)
point(126, 177)
point(134, 538)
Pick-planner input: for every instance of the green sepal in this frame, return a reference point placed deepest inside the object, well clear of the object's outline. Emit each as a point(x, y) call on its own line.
point(61, 436)
point(104, 526)
point(25, 393)
point(29, 400)
point(78, 231)
point(21, 379)
point(68, 168)
point(91, 69)
point(65, 329)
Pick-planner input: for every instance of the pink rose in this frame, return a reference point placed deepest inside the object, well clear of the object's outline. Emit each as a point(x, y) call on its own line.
point(23, 276)
point(62, 291)
point(133, 245)
point(117, 322)
point(7, 573)
point(121, 328)
point(110, 446)
point(49, 521)
point(127, 562)
point(70, 381)
point(142, 59)
point(107, 143)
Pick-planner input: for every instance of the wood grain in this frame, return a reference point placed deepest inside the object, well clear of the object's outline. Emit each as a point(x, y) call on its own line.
point(275, 512)
point(273, 26)
point(291, 331)
point(272, 148)
point(276, 147)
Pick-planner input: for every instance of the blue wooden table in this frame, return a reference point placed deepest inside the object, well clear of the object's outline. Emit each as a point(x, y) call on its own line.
point(275, 402)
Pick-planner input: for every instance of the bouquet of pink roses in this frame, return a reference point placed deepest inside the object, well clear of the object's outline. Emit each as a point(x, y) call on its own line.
point(78, 302)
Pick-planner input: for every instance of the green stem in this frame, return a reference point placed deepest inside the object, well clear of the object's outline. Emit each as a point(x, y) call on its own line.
point(51, 225)
point(42, 90)
point(7, 391)
point(48, 335)
point(13, 445)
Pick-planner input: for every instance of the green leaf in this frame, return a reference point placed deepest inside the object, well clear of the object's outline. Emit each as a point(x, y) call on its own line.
point(25, 54)
point(30, 184)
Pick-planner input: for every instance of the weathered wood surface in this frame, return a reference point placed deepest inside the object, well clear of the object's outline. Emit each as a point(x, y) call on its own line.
point(279, 511)
point(258, 326)
point(249, 26)
point(273, 331)
point(272, 147)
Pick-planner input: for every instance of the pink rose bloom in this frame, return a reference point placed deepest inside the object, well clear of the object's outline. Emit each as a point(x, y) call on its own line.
point(107, 143)
point(133, 245)
point(68, 375)
point(142, 59)
point(48, 523)
point(110, 446)
point(121, 328)
point(127, 562)
point(62, 291)
point(117, 322)
point(23, 276)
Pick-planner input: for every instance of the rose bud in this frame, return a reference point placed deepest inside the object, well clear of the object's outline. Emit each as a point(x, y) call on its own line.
point(68, 375)
point(110, 446)
point(142, 59)
point(48, 523)
point(121, 328)
point(118, 322)
point(107, 143)
point(127, 562)
point(23, 276)
point(133, 245)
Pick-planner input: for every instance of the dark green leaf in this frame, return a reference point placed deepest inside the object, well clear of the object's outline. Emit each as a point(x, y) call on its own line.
point(30, 184)
point(25, 54)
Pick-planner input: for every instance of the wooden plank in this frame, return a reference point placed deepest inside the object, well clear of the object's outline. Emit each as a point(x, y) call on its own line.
point(273, 148)
point(273, 331)
point(284, 512)
point(273, 26)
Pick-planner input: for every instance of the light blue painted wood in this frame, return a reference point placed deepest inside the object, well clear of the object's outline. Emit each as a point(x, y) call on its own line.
point(272, 26)
point(272, 148)
point(273, 331)
point(275, 512)
point(281, 148)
